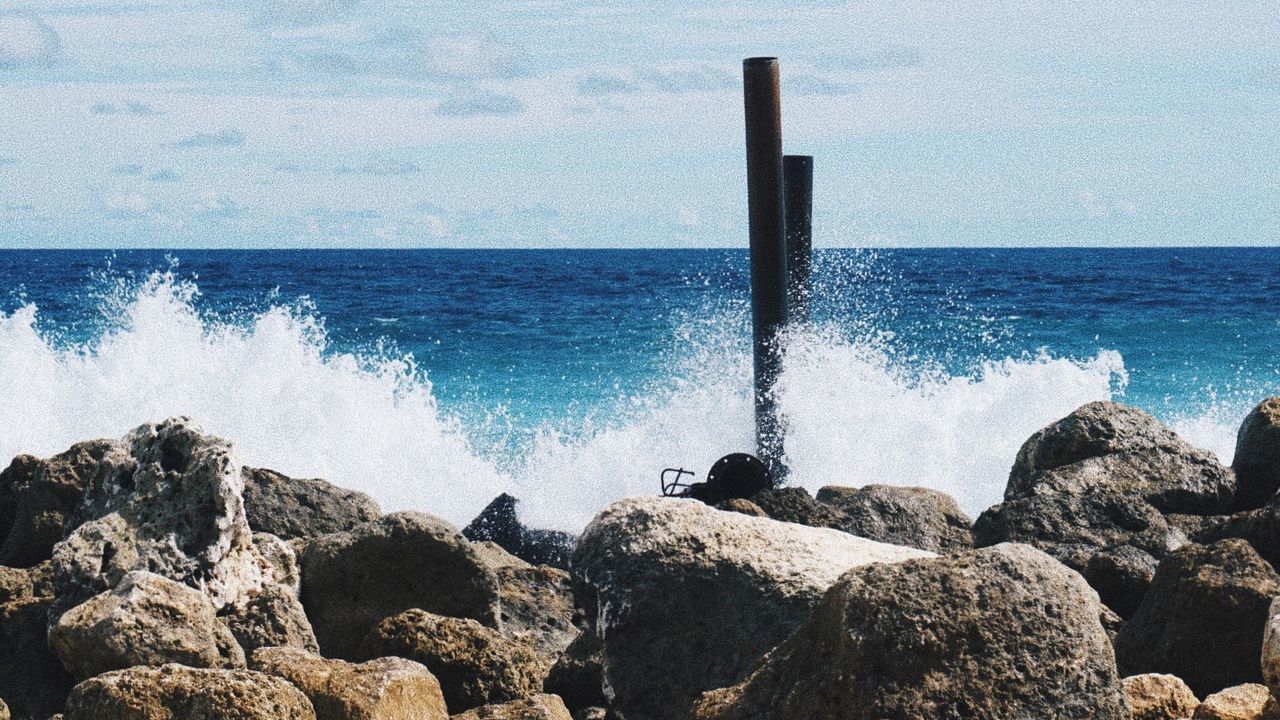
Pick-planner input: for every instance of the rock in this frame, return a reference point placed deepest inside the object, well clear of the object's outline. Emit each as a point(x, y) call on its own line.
point(795, 505)
point(1203, 617)
point(538, 707)
point(1159, 697)
point(499, 523)
point(1003, 632)
point(1123, 449)
point(175, 692)
point(32, 680)
point(495, 557)
point(381, 689)
point(352, 580)
point(1121, 575)
point(292, 508)
point(274, 618)
point(475, 665)
point(1271, 647)
point(592, 713)
point(537, 609)
point(165, 500)
point(1257, 458)
point(685, 598)
point(37, 497)
point(4, 711)
point(146, 620)
point(1260, 528)
point(1242, 702)
point(914, 516)
point(741, 505)
point(578, 674)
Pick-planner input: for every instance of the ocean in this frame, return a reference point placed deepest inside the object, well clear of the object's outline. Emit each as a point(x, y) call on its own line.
point(435, 379)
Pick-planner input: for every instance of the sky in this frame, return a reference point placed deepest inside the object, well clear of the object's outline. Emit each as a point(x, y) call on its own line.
point(381, 123)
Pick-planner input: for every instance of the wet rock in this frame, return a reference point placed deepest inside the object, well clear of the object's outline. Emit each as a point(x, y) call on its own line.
point(1159, 697)
point(381, 689)
point(914, 516)
point(146, 620)
point(32, 680)
point(1203, 617)
point(1121, 449)
point(352, 580)
point(274, 618)
point(1242, 702)
point(292, 508)
point(538, 707)
point(37, 496)
point(475, 665)
point(537, 609)
point(499, 523)
point(578, 674)
point(1257, 457)
point(948, 637)
point(175, 692)
point(685, 598)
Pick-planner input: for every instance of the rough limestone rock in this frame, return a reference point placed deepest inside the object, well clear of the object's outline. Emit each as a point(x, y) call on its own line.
point(1159, 697)
point(146, 620)
point(32, 680)
point(1259, 527)
point(537, 609)
point(741, 505)
point(499, 523)
point(1203, 618)
point(474, 664)
point(538, 707)
point(914, 516)
point(578, 675)
point(176, 692)
point(796, 505)
point(352, 580)
point(1121, 575)
point(1242, 702)
point(36, 498)
point(1121, 448)
point(274, 618)
point(1004, 632)
point(1257, 458)
point(292, 508)
point(1271, 648)
point(167, 500)
point(685, 597)
point(4, 711)
point(382, 689)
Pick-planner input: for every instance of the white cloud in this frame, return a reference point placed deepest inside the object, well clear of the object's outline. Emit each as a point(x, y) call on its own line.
point(223, 138)
point(688, 217)
point(126, 203)
point(218, 205)
point(474, 103)
point(473, 57)
point(26, 42)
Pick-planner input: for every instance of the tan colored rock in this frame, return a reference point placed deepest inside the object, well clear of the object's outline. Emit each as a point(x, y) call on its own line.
point(388, 688)
point(496, 557)
point(4, 711)
point(275, 618)
point(475, 665)
point(1271, 647)
point(1159, 697)
point(146, 620)
point(176, 692)
point(1250, 701)
point(538, 707)
point(742, 505)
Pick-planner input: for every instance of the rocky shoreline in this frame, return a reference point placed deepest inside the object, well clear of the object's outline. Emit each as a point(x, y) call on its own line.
point(1125, 574)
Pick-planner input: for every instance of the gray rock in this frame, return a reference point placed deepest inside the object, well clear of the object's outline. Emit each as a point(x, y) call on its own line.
point(352, 580)
point(475, 665)
point(175, 692)
point(382, 689)
point(145, 620)
point(292, 508)
point(537, 609)
point(1004, 632)
point(914, 516)
point(1257, 457)
point(685, 597)
point(37, 496)
point(1203, 618)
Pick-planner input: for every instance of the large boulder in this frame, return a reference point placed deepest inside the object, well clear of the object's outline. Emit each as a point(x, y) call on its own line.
point(538, 707)
point(796, 505)
point(915, 516)
point(1260, 527)
point(1004, 632)
point(537, 608)
point(1242, 702)
point(176, 692)
point(1127, 451)
point(1153, 696)
point(292, 508)
point(32, 680)
point(500, 523)
point(1257, 457)
point(352, 580)
point(37, 496)
point(382, 689)
point(685, 598)
point(145, 620)
point(1203, 617)
point(475, 665)
point(273, 618)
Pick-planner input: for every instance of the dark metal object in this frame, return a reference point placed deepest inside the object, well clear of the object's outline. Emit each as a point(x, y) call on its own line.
point(737, 475)
point(797, 171)
point(675, 487)
point(763, 104)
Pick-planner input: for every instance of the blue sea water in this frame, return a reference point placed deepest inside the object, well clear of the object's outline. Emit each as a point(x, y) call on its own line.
point(436, 378)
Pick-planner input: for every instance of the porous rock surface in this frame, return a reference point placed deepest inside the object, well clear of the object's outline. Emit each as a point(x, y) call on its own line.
point(685, 597)
point(176, 692)
point(919, 517)
point(145, 620)
point(32, 681)
point(538, 707)
point(388, 688)
point(1003, 632)
point(1257, 456)
point(37, 496)
point(292, 508)
point(1242, 702)
point(536, 608)
point(273, 618)
point(352, 580)
point(1203, 618)
point(1153, 696)
point(474, 664)
point(1271, 648)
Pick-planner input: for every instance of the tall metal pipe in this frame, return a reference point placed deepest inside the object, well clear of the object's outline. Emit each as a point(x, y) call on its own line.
point(763, 104)
point(797, 171)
